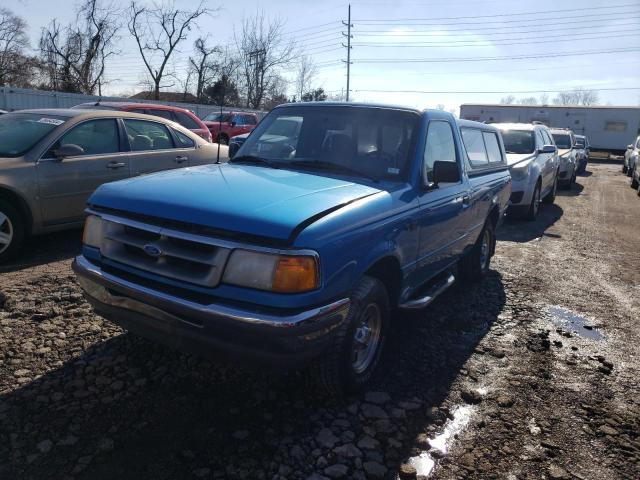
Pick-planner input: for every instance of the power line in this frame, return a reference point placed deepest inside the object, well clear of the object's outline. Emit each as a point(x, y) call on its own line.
point(470, 31)
point(487, 43)
point(492, 92)
point(544, 12)
point(483, 59)
point(602, 16)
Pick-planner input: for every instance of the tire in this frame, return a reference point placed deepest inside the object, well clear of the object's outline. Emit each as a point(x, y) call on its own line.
point(222, 139)
point(550, 198)
point(475, 264)
point(532, 211)
point(634, 182)
point(11, 231)
point(347, 366)
point(624, 169)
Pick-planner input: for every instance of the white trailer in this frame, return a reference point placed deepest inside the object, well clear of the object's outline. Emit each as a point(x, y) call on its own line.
point(608, 128)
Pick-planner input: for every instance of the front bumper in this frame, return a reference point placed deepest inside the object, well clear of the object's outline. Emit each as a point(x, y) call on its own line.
point(282, 338)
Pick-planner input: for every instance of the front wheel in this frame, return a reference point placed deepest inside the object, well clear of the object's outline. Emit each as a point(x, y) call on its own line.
point(550, 198)
point(624, 169)
point(634, 181)
point(534, 206)
point(354, 354)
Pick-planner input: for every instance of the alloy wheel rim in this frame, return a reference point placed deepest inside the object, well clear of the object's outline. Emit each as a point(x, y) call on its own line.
point(536, 200)
point(366, 338)
point(6, 232)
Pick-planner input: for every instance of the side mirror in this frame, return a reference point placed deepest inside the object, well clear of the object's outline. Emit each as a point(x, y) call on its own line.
point(445, 172)
point(548, 149)
point(629, 147)
point(68, 150)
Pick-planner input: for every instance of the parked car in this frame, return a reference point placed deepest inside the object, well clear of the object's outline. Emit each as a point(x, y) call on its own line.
point(534, 166)
point(281, 130)
point(52, 160)
point(565, 141)
point(582, 152)
point(225, 125)
point(631, 157)
point(184, 117)
point(368, 209)
point(635, 175)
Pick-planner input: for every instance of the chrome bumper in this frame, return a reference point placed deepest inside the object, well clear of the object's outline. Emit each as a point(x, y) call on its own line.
point(161, 316)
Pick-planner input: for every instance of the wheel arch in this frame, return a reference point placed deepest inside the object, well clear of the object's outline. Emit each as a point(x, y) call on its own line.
point(387, 269)
point(17, 201)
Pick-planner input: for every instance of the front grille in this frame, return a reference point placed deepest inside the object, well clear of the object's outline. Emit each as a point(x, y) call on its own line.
point(180, 256)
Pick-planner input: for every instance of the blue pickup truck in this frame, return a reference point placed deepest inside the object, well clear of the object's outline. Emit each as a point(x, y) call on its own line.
point(296, 252)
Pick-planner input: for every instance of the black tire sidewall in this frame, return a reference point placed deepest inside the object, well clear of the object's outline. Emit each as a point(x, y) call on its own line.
point(369, 290)
point(532, 213)
point(18, 229)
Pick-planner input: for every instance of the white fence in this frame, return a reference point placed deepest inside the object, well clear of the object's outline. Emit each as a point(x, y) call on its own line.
point(23, 98)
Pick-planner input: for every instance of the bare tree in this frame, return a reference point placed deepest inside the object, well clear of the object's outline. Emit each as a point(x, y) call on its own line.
point(202, 64)
point(508, 100)
point(158, 30)
point(578, 96)
point(262, 50)
point(528, 101)
point(13, 43)
point(306, 73)
point(440, 107)
point(74, 56)
point(544, 99)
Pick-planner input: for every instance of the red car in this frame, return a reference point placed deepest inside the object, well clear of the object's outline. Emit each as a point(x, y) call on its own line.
point(232, 123)
point(179, 115)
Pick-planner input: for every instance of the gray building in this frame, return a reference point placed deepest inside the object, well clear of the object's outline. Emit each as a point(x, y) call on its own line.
point(608, 128)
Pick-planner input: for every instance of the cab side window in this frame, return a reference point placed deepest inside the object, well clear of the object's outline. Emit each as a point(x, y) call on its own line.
point(440, 146)
point(474, 145)
point(144, 135)
point(539, 140)
point(249, 120)
point(493, 147)
point(239, 120)
point(95, 137)
point(166, 114)
point(548, 139)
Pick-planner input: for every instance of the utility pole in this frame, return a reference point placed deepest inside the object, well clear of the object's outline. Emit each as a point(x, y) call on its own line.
point(348, 47)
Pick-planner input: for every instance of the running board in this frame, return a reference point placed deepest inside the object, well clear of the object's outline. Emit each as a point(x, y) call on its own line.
point(431, 295)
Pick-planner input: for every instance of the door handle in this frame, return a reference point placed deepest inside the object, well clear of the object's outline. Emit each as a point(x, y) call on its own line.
point(466, 199)
point(114, 165)
point(180, 159)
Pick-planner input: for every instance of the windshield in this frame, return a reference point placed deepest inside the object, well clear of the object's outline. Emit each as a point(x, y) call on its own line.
point(365, 142)
point(562, 140)
point(519, 141)
point(19, 132)
point(218, 117)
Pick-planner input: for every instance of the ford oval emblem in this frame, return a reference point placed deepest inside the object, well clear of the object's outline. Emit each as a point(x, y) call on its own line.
point(152, 250)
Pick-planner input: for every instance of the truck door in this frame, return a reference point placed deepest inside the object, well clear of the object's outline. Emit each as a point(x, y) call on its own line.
point(441, 207)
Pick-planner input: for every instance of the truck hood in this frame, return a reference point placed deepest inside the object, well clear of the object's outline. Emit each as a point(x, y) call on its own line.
point(247, 199)
point(564, 152)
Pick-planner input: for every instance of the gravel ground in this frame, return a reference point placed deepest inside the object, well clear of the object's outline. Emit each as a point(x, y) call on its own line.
point(531, 374)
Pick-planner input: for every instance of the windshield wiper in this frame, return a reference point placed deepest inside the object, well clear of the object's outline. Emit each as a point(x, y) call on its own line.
point(321, 165)
point(253, 160)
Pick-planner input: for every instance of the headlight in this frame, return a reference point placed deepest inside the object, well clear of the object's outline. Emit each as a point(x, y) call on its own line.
point(276, 273)
point(520, 172)
point(92, 234)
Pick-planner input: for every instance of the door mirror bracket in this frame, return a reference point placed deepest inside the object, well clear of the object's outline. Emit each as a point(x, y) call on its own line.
point(68, 150)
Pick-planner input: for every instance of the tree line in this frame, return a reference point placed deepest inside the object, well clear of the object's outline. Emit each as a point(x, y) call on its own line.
point(577, 96)
point(74, 57)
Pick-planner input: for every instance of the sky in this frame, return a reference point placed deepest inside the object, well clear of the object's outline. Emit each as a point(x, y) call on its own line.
point(421, 53)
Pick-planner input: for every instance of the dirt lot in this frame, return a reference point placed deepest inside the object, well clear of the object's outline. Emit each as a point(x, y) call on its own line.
point(532, 374)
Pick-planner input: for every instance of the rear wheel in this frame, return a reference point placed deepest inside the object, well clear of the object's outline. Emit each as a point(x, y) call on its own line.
point(354, 354)
point(475, 264)
point(551, 196)
point(11, 230)
point(634, 181)
point(624, 169)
